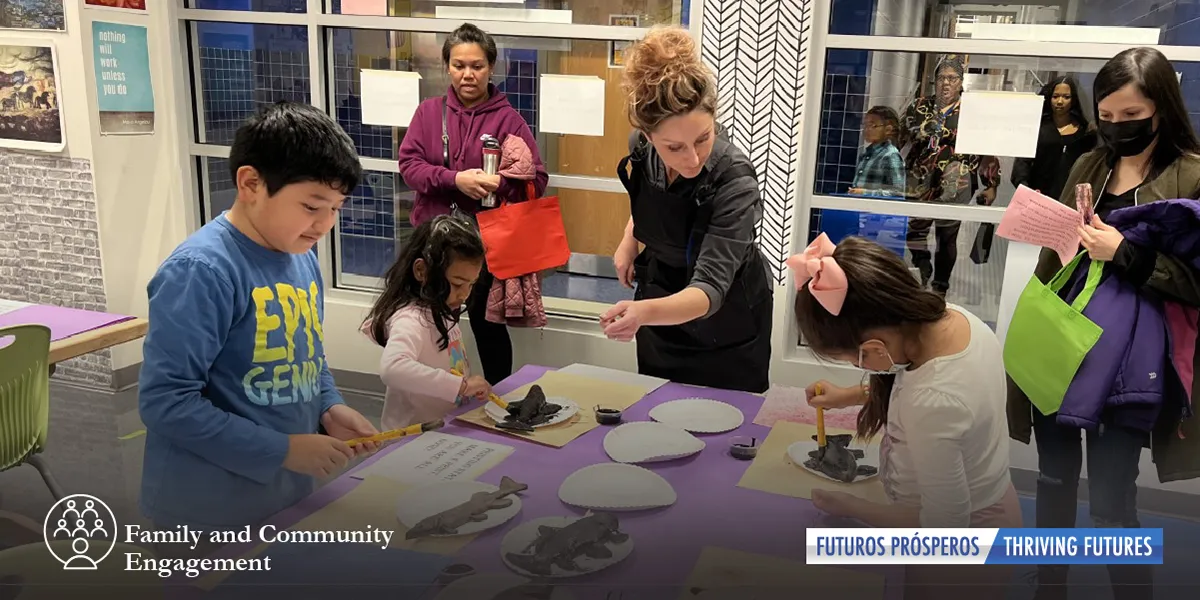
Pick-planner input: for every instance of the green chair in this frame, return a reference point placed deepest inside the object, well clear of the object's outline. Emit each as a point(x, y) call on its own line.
point(25, 399)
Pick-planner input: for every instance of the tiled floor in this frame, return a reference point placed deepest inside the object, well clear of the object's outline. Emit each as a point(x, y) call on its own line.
point(95, 447)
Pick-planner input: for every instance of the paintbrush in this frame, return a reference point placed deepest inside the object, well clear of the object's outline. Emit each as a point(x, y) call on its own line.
point(820, 420)
point(493, 398)
point(398, 433)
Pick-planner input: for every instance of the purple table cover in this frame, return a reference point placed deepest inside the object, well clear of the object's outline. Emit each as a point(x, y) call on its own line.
point(710, 511)
point(63, 322)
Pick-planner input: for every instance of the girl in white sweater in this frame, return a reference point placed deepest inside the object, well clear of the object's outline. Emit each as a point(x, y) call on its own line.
point(937, 392)
point(415, 319)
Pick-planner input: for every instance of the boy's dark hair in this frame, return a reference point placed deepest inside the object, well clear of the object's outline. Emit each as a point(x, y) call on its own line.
point(881, 294)
point(1155, 78)
point(468, 33)
point(439, 242)
point(289, 142)
point(889, 117)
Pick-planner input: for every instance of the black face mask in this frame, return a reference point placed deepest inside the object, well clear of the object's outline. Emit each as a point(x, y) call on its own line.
point(1129, 138)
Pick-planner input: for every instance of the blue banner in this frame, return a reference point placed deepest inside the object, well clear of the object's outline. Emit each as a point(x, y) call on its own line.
point(1077, 547)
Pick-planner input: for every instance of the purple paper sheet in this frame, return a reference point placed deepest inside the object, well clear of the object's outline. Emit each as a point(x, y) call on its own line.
point(710, 510)
point(63, 322)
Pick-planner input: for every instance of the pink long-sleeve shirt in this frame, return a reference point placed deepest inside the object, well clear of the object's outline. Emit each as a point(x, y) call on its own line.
point(420, 387)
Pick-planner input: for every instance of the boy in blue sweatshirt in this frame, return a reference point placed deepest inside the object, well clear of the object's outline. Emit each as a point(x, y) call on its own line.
point(240, 408)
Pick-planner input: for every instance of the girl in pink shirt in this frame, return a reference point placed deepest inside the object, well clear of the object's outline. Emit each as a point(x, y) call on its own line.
point(415, 319)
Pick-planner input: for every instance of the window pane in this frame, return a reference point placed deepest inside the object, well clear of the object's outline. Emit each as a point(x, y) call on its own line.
point(939, 252)
point(518, 66)
point(374, 224)
point(858, 81)
point(1138, 22)
point(290, 6)
point(243, 67)
point(587, 12)
point(219, 189)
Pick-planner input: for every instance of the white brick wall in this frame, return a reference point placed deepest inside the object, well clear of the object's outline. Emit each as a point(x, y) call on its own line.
point(49, 244)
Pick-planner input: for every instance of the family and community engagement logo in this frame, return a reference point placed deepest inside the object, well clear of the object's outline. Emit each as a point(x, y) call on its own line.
point(81, 531)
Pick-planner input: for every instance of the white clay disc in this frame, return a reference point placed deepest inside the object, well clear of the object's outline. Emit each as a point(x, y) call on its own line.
point(650, 441)
point(616, 487)
point(699, 415)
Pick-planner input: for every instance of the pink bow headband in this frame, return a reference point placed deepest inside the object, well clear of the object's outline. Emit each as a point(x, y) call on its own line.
point(816, 267)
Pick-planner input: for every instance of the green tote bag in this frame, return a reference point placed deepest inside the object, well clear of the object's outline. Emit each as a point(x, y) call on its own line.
point(1048, 339)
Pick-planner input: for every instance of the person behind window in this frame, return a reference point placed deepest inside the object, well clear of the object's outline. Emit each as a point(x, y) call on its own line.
point(880, 170)
point(1065, 135)
point(447, 175)
point(1148, 153)
point(702, 309)
point(937, 174)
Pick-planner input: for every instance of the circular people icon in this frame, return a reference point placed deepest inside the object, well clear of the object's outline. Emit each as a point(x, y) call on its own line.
point(80, 531)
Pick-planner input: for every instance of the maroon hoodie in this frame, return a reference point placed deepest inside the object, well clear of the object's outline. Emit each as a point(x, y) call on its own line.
point(421, 152)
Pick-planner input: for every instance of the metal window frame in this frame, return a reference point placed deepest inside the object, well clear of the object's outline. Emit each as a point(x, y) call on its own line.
point(190, 100)
point(822, 41)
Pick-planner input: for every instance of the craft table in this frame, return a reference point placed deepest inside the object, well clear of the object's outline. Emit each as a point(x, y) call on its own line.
point(75, 332)
point(710, 511)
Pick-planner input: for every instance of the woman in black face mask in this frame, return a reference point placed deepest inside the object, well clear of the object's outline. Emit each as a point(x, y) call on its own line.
point(1147, 152)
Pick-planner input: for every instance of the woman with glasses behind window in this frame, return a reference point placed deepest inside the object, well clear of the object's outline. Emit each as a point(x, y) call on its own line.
point(441, 159)
point(1148, 153)
point(1065, 135)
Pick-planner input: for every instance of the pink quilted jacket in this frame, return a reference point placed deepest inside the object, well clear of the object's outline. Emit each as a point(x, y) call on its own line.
point(517, 302)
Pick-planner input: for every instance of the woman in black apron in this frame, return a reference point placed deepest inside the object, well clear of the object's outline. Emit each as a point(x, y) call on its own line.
point(702, 309)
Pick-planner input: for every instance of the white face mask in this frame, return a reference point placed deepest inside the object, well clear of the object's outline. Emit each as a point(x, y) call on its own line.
point(894, 369)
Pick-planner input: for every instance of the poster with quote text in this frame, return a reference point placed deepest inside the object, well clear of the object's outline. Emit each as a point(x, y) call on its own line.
point(124, 91)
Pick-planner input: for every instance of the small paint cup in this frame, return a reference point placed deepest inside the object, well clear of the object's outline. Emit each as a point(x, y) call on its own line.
point(743, 447)
point(608, 416)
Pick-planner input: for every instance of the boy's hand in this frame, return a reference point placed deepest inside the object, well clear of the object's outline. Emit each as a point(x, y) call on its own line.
point(476, 387)
point(345, 423)
point(316, 455)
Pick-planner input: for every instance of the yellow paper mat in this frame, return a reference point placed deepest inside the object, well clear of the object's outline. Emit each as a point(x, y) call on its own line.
point(772, 471)
point(372, 502)
point(774, 577)
point(585, 391)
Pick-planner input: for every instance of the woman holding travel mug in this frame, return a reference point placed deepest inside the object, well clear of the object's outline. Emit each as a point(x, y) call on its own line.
point(442, 160)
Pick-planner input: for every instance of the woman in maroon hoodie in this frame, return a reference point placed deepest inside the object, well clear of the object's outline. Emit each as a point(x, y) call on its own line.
point(441, 159)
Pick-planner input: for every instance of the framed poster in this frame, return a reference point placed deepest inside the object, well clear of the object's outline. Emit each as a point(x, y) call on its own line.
point(124, 91)
point(46, 15)
point(30, 107)
point(616, 50)
point(135, 6)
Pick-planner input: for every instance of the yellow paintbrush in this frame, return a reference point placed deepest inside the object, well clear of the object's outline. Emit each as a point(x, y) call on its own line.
point(398, 433)
point(820, 421)
point(493, 398)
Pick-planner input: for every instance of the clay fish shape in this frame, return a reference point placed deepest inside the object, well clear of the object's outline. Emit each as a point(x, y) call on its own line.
point(837, 460)
point(533, 410)
point(448, 521)
point(561, 546)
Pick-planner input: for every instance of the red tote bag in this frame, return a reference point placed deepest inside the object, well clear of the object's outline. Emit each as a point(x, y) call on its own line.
point(524, 237)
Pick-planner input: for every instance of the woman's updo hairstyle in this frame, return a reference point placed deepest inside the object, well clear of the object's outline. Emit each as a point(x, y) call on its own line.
point(665, 77)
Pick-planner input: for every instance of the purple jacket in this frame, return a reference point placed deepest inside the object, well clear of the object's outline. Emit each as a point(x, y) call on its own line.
point(1130, 367)
point(421, 152)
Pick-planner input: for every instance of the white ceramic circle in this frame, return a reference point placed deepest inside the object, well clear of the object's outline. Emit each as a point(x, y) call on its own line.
point(568, 410)
point(798, 453)
point(428, 500)
point(699, 415)
point(518, 540)
point(650, 441)
point(616, 487)
point(488, 586)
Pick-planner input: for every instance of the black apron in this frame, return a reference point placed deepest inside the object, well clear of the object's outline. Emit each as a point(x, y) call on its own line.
point(730, 349)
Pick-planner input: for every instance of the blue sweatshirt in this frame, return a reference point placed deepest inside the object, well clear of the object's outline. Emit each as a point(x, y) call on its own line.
point(233, 363)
